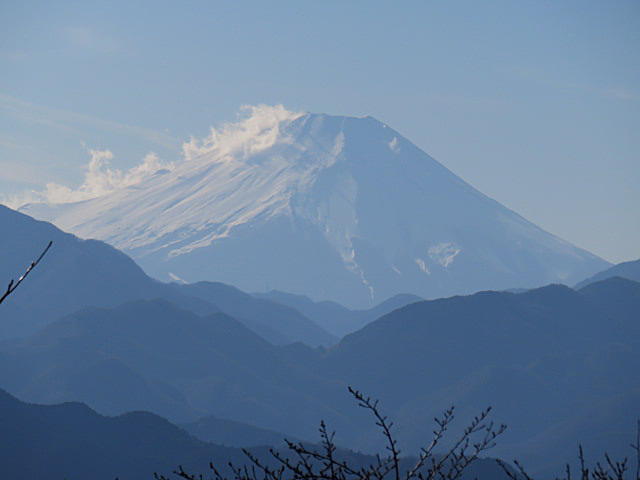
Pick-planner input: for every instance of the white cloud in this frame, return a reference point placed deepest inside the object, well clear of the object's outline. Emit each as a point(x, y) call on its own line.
point(100, 179)
point(258, 130)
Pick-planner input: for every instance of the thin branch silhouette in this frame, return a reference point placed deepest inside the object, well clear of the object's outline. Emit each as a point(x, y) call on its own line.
point(607, 470)
point(302, 461)
point(14, 284)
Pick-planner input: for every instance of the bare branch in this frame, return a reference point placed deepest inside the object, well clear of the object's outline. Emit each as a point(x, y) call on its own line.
point(13, 285)
point(321, 462)
point(381, 421)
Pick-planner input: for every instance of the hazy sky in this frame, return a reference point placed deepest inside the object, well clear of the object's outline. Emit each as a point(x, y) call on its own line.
point(537, 104)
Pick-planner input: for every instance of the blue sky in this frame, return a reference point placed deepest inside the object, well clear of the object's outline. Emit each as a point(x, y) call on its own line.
point(535, 103)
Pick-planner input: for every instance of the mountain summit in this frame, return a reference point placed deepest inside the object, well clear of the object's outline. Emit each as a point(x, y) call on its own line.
point(333, 207)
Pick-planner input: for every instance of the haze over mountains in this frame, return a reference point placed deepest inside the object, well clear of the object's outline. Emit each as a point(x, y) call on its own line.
point(335, 208)
point(630, 270)
point(71, 440)
point(567, 358)
point(535, 357)
point(305, 209)
point(84, 273)
point(334, 317)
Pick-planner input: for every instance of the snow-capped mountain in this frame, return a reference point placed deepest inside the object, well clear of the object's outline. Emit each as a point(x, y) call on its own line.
point(333, 207)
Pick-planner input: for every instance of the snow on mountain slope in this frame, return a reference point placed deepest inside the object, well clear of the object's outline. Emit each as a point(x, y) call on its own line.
point(333, 207)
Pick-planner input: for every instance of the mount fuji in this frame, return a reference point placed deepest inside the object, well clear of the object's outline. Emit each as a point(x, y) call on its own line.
point(331, 207)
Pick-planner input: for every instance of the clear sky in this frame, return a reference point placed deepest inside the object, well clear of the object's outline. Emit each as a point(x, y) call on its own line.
point(535, 103)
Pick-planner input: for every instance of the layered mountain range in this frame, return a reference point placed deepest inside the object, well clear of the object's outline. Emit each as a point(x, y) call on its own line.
point(331, 207)
point(557, 364)
point(71, 440)
point(307, 209)
point(82, 273)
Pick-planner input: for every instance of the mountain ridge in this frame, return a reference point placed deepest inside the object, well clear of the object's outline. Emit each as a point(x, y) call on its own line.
point(543, 351)
point(80, 273)
point(338, 208)
point(630, 270)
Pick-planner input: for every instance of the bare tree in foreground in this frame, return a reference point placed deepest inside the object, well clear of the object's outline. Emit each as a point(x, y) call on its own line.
point(607, 470)
point(323, 462)
point(14, 284)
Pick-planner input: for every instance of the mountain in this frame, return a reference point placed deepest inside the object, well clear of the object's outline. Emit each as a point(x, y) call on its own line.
point(280, 324)
point(542, 359)
point(545, 359)
point(620, 298)
point(169, 361)
point(234, 434)
point(72, 441)
point(79, 273)
point(331, 207)
point(603, 426)
point(630, 270)
point(73, 274)
point(489, 327)
point(334, 317)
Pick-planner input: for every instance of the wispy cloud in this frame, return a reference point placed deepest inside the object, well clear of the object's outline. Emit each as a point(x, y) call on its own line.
point(99, 179)
point(258, 128)
point(19, 172)
point(622, 94)
point(13, 55)
point(72, 121)
point(23, 162)
point(611, 92)
point(88, 38)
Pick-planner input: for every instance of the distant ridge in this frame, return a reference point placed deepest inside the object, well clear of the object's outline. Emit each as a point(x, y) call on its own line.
point(334, 317)
point(71, 440)
point(540, 352)
point(80, 273)
point(630, 270)
point(234, 434)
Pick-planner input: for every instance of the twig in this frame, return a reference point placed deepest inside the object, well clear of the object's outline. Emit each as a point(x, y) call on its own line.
point(12, 286)
point(381, 421)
